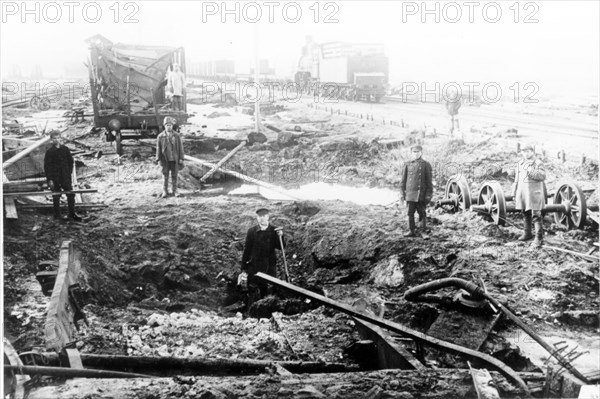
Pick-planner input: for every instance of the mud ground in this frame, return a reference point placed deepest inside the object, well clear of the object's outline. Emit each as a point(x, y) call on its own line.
point(159, 274)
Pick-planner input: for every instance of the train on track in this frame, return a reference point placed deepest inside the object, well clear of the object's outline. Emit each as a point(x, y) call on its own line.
point(348, 71)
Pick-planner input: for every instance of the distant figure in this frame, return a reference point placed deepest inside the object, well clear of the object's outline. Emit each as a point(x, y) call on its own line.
point(416, 188)
point(58, 166)
point(528, 192)
point(176, 86)
point(259, 254)
point(169, 153)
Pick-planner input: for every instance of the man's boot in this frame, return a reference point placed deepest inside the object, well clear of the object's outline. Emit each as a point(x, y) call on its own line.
point(71, 203)
point(165, 192)
point(175, 192)
point(56, 206)
point(411, 227)
point(527, 228)
point(424, 228)
point(539, 232)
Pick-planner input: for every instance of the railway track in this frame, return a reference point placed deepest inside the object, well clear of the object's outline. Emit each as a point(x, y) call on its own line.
point(547, 123)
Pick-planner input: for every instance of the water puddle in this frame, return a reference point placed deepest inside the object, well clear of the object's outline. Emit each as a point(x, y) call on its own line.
point(324, 192)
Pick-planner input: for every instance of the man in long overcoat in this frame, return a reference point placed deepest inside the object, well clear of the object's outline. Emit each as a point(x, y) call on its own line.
point(58, 167)
point(259, 253)
point(528, 192)
point(169, 153)
point(416, 188)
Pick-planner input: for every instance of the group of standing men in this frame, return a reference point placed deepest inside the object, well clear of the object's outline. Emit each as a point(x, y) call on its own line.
point(416, 189)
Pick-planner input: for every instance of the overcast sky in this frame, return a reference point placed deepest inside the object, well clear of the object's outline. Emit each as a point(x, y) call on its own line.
point(560, 52)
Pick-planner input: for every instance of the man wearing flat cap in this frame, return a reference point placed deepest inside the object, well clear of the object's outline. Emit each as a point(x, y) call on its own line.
point(528, 192)
point(416, 188)
point(259, 254)
point(58, 167)
point(169, 153)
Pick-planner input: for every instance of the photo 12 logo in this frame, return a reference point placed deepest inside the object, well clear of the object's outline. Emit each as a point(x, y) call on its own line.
point(487, 92)
point(270, 11)
point(469, 11)
point(69, 11)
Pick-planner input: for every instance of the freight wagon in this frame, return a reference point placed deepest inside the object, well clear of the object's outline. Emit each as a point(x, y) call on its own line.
point(128, 88)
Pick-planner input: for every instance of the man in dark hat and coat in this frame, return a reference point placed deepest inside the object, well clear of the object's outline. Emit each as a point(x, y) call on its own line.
point(58, 167)
point(528, 192)
point(259, 254)
point(416, 188)
point(169, 153)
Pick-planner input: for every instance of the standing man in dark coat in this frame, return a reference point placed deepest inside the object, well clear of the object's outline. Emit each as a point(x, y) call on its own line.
point(528, 192)
point(58, 166)
point(169, 153)
point(416, 188)
point(259, 254)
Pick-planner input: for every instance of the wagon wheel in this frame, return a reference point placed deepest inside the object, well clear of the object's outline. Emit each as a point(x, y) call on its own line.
point(572, 198)
point(119, 145)
point(44, 104)
point(492, 198)
point(34, 102)
point(457, 190)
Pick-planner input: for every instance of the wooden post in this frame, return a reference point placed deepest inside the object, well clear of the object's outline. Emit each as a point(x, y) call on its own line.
point(222, 161)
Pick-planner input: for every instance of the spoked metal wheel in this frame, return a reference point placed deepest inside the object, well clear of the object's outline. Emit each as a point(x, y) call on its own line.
point(491, 199)
point(574, 209)
point(457, 197)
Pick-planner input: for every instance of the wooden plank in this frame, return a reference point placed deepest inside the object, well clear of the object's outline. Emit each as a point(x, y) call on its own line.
point(390, 355)
point(26, 151)
point(74, 358)
point(39, 193)
point(10, 208)
point(595, 216)
point(466, 353)
point(59, 328)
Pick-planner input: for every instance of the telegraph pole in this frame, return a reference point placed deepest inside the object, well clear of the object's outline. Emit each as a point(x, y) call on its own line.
point(256, 80)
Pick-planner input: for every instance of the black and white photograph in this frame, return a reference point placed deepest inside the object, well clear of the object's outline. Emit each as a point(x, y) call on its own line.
point(300, 199)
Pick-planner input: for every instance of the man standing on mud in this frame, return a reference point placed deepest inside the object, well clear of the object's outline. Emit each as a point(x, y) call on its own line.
point(176, 85)
point(528, 192)
point(169, 153)
point(416, 188)
point(58, 166)
point(259, 254)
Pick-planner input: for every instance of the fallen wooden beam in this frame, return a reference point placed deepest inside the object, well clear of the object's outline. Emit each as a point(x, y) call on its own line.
point(196, 366)
point(466, 353)
point(440, 384)
point(36, 193)
point(59, 324)
point(83, 205)
point(245, 178)
point(26, 151)
point(71, 373)
point(581, 255)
